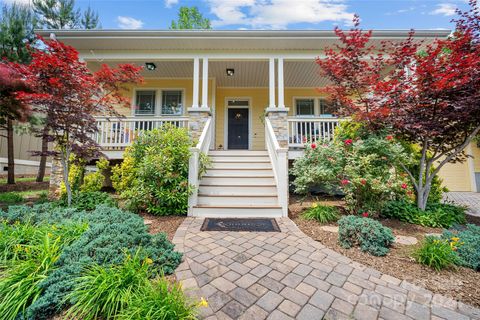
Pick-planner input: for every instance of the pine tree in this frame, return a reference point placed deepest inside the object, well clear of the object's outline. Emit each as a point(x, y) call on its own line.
point(62, 14)
point(190, 18)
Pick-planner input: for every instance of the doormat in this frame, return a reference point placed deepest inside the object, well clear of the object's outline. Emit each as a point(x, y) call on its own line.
point(233, 224)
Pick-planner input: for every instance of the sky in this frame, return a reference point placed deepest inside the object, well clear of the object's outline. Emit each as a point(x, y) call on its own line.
point(278, 14)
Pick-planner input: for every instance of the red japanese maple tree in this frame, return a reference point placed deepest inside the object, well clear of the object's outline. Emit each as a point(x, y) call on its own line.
point(69, 95)
point(426, 94)
point(11, 109)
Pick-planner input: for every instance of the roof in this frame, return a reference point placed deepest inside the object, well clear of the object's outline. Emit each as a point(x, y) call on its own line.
point(219, 40)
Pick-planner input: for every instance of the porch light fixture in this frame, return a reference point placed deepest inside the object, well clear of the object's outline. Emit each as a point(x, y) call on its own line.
point(230, 72)
point(150, 66)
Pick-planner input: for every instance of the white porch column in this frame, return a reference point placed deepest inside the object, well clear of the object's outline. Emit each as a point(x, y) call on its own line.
point(281, 101)
point(271, 86)
point(196, 69)
point(205, 83)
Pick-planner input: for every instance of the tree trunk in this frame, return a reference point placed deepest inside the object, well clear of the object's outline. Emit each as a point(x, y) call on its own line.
point(65, 158)
point(10, 156)
point(43, 157)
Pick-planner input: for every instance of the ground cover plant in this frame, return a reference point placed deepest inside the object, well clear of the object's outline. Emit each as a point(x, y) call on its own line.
point(436, 215)
point(111, 234)
point(368, 234)
point(469, 249)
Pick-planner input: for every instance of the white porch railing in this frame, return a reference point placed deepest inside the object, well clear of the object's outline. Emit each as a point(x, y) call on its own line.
point(303, 130)
point(203, 146)
point(120, 132)
point(279, 159)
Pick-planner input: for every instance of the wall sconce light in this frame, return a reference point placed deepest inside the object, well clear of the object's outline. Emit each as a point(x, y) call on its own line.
point(150, 66)
point(230, 72)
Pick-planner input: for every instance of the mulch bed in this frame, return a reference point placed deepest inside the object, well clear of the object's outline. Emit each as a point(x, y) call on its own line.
point(166, 224)
point(24, 186)
point(459, 283)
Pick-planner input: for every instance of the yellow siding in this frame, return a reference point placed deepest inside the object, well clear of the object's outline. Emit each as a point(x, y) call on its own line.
point(476, 157)
point(456, 176)
point(258, 102)
point(158, 84)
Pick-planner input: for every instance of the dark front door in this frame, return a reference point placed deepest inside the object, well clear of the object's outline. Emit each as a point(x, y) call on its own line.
point(237, 128)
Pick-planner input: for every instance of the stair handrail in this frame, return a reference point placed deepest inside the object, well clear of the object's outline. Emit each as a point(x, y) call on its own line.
point(279, 159)
point(202, 146)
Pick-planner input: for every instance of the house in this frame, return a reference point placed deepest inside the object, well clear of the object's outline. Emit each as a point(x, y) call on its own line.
point(249, 98)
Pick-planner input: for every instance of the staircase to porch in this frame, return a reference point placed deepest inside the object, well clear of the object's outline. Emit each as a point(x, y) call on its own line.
point(238, 184)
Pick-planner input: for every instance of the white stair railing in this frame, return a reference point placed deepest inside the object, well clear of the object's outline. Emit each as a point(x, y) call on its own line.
point(203, 146)
point(306, 130)
point(120, 132)
point(279, 159)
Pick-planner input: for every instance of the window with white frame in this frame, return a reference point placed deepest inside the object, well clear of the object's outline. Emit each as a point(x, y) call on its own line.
point(325, 106)
point(145, 102)
point(172, 103)
point(305, 107)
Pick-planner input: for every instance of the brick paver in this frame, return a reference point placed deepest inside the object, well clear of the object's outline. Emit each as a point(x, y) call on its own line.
point(287, 275)
point(469, 199)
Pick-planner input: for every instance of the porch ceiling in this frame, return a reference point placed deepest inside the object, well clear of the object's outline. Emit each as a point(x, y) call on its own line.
point(251, 73)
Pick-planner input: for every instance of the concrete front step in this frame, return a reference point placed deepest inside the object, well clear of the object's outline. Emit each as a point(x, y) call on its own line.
point(236, 200)
point(239, 172)
point(237, 211)
point(238, 190)
point(241, 165)
point(245, 153)
point(239, 158)
point(236, 181)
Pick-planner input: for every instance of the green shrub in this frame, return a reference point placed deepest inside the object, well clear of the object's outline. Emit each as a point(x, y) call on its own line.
point(363, 167)
point(11, 198)
point(104, 291)
point(435, 253)
point(89, 200)
point(370, 235)
point(94, 181)
point(469, 249)
point(436, 215)
point(111, 231)
point(158, 301)
point(32, 255)
point(321, 213)
point(154, 173)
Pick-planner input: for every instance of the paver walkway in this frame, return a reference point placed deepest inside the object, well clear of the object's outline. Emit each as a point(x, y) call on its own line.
point(287, 275)
point(469, 199)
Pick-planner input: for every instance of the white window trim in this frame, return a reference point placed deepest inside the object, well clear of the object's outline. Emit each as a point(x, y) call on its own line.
point(158, 102)
point(134, 102)
point(316, 106)
point(225, 127)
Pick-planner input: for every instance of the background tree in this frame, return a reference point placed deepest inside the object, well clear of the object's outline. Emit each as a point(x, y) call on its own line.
point(70, 95)
point(190, 18)
point(16, 30)
point(11, 109)
point(427, 95)
point(62, 14)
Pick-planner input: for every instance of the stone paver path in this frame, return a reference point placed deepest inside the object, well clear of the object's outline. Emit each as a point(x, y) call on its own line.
point(469, 199)
point(287, 275)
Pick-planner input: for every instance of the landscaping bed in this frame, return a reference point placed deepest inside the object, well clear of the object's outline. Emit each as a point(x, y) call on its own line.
point(459, 283)
point(165, 224)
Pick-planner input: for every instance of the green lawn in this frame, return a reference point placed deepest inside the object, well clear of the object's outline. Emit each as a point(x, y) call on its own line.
point(3, 179)
point(16, 197)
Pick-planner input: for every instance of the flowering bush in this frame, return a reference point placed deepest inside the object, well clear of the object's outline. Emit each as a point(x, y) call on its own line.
point(370, 235)
point(360, 165)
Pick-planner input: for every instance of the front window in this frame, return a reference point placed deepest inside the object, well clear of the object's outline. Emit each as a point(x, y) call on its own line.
point(145, 102)
point(172, 103)
point(326, 107)
point(305, 107)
